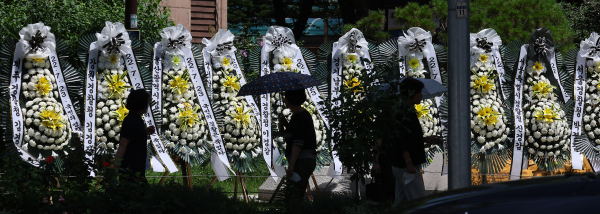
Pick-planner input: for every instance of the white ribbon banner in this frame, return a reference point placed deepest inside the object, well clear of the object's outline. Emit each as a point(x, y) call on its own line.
point(435, 74)
point(335, 168)
point(207, 67)
point(16, 114)
point(576, 128)
point(157, 166)
point(91, 86)
point(249, 99)
point(312, 91)
point(553, 65)
point(208, 113)
point(499, 68)
point(517, 160)
point(64, 96)
point(270, 150)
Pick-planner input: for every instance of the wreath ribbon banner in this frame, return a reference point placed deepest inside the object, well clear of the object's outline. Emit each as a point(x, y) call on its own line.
point(64, 96)
point(157, 165)
point(576, 128)
point(553, 65)
point(91, 88)
point(14, 92)
point(270, 150)
point(517, 160)
point(335, 169)
point(207, 67)
point(213, 128)
point(499, 68)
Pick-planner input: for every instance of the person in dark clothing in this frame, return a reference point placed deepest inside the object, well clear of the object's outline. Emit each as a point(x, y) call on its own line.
point(131, 154)
point(301, 144)
point(405, 149)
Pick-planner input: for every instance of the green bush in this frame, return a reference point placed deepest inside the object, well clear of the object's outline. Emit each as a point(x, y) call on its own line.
point(371, 26)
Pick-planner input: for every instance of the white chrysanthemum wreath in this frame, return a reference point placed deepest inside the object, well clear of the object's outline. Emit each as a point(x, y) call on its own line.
point(591, 118)
point(547, 131)
point(241, 133)
point(488, 122)
point(46, 125)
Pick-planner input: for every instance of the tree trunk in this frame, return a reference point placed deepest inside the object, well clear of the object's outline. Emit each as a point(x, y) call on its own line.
point(347, 8)
point(305, 12)
point(279, 12)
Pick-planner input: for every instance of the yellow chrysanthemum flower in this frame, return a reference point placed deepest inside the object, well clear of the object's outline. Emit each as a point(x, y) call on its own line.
point(484, 84)
point(43, 86)
point(547, 115)
point(38, 60)
point(232, 82)
point(226, 61)
point(116, 83)
point(352, 58)
point(542, 87)
point(189, 116)
point(287, 62)
point(537, 67)
point(423, 111)
point(483, 57)
point(51, 119)
point(241, 116)
point(120, 113)
point(179, 84)
point(354, 84)
point(414, 63)
point(114, 59)
point(176, 60)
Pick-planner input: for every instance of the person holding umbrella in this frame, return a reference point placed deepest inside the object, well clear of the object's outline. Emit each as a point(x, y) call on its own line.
point(299, 132)
point(301, 144)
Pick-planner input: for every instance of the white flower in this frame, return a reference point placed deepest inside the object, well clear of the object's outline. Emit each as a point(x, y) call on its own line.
point(243, 155)
point(235, 153)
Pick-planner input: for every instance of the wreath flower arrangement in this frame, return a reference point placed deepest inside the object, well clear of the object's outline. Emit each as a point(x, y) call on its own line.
point(46, 127)
point(183, 123)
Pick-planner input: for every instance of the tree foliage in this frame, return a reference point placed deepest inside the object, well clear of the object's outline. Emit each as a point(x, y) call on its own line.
point(71, 19)
point(583, 18)
point(371, 26)
point(512, 19)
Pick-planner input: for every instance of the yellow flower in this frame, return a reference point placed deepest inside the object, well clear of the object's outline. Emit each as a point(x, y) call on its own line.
point(423, 111)
point(491, 120)
point(179, 84)
point(287, 62)
point(241, 116)
point(189, 116)
point(232, 82)
point(113, 59)
point(352, 58)
point(226, 61)
point(484, 84)
point(51, 119)
point(414, 63)
point(38, 60)
point(176, 60)
point(537, 67)
point(483, 57)
point(43, 86)
point(116, 83)
point(120, 113)
point(542, 87)
point(488, 115)
point(547, 115)
point(353, 84)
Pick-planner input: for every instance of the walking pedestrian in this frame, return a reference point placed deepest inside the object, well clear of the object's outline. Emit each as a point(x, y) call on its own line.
point(301, 144)
point(131, 154)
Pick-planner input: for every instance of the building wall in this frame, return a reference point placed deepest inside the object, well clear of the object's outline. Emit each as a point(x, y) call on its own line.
point(198, 15)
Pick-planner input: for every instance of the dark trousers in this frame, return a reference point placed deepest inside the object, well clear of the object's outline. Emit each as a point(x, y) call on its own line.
point(304, 168)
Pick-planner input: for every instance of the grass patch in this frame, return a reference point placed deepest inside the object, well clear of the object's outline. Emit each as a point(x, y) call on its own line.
point(226, 186)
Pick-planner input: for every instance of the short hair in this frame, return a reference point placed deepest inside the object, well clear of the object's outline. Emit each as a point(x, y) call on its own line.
point(296, 97)
point(410, 86)
point(137, 100)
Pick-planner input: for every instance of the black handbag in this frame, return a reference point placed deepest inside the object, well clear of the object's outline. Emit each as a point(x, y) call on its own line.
point(374, 191)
